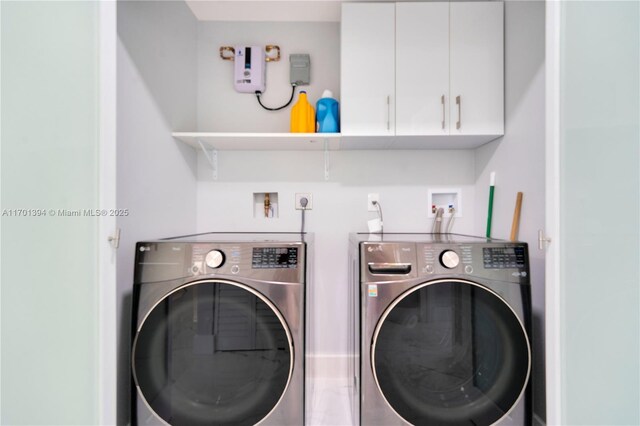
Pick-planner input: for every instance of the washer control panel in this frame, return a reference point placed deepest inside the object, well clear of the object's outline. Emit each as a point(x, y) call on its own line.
point(439, 258)
point(503, 257)
point(273, 261)
point(274, 258)
point(494, 260)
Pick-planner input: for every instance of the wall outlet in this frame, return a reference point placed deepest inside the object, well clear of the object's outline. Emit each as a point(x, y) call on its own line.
point(370, 199)
point(300, 196)
point(450, 199)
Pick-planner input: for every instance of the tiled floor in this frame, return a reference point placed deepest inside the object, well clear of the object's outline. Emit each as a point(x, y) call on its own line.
point(330, 403)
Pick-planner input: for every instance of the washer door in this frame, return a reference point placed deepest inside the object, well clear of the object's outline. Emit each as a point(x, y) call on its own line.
point(450, 352)
point(213, 353)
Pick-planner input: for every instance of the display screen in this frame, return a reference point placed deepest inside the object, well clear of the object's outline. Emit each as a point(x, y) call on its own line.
point(503, 257)
point(274, 257)
point(247, 58)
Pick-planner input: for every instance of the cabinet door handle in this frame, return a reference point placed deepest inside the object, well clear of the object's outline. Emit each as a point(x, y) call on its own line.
point(442, 102)
point(459, 103)
point(388, 112)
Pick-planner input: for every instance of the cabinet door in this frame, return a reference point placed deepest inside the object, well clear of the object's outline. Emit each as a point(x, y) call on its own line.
point(477, 68)
point(422, 68)
point(368, 69)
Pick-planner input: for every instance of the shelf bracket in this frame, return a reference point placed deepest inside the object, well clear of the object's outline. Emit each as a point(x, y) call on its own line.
point(212, 157)
point(326, 159)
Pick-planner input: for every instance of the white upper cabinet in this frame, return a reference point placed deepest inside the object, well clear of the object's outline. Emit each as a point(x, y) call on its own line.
point(422, 68)
point(439, 64)
point(368, 69)
point(477, 68)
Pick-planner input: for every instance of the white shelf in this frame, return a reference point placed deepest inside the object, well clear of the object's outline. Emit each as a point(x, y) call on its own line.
point(211, 143)
point(334, 141)
point(261, 141)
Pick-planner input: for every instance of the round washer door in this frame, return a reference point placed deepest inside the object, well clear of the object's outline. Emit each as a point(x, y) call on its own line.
point(450, 352)
point(212, 353)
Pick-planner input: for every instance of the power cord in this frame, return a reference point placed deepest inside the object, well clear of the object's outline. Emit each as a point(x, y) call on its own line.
point(293, 92)
point(303, 204)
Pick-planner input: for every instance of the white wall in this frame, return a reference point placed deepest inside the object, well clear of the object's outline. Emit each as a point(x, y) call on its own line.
point(50, 155)
point(156, 177)
point(222, 109)
point(402, 178)
point(518, 159)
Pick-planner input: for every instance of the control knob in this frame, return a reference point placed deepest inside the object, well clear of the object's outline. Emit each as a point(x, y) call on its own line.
point(214, 259)
point(449, 259)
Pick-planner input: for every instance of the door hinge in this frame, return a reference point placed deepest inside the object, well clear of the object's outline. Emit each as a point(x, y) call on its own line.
point(543, 241)
point(115, 239)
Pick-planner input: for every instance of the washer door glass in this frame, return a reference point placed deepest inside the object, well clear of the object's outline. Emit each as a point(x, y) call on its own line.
point(212, 353)
point(450, 353)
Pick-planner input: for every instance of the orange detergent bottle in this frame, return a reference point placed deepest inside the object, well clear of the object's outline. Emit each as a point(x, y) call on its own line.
point(303, 116)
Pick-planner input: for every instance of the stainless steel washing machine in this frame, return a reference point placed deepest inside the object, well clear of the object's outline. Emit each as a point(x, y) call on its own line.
point(219, 330)
point(441, 330)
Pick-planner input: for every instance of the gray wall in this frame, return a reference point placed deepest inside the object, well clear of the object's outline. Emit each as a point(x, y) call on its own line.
point(518, 159)
point(156, 176)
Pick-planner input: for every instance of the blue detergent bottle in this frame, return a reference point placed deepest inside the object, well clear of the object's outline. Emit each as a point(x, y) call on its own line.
point(327, 114)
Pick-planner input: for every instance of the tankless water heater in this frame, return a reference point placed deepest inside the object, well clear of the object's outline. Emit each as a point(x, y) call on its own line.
point(249, 69)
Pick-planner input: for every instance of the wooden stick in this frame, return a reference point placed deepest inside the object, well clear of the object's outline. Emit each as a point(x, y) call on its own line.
point(516, 217)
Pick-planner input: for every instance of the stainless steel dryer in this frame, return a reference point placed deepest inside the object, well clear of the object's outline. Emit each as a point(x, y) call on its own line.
point(219, 330)
point(441, 330)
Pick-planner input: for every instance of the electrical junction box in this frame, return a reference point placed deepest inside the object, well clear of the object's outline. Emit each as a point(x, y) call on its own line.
point(249, 69)
point(300, 69)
